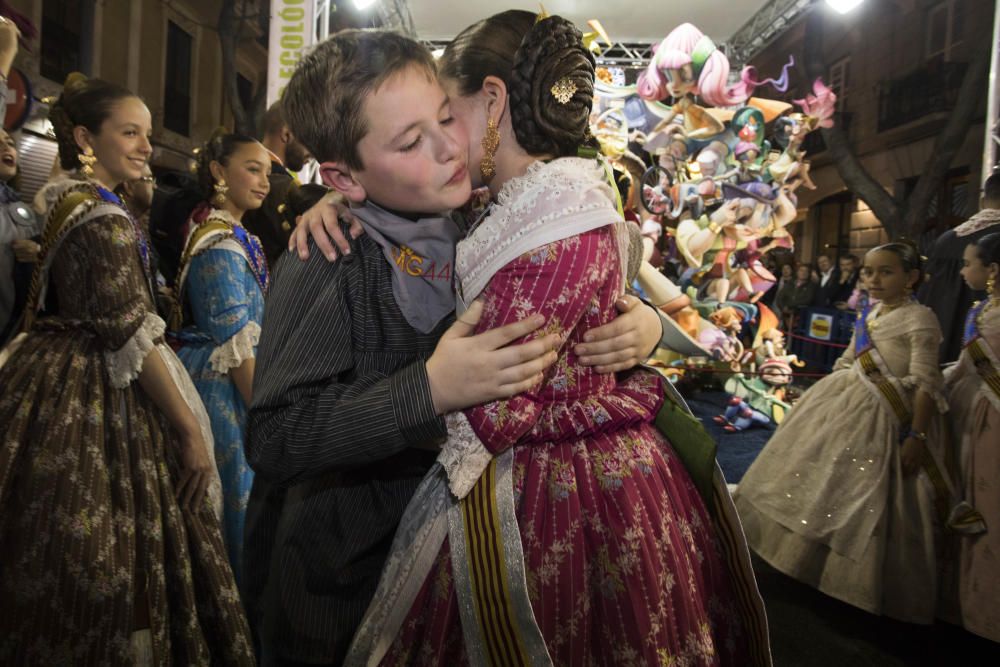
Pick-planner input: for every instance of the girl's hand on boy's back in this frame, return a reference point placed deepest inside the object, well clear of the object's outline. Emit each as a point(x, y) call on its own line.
point(322, 223)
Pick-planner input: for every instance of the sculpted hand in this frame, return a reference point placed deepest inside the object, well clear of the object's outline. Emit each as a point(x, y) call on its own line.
point(725, 215)
point(624, 342)
point(467, 369)
point(321, 222)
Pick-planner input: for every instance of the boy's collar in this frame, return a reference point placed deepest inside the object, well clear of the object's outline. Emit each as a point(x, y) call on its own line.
point(412, 217)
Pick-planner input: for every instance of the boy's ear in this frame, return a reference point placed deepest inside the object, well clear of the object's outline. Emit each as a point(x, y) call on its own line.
point(495, 91)
point(338, 176)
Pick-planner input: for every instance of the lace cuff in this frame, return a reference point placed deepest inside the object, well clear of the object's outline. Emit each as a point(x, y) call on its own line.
point(236, 350)
point(125, 363)
point(932, 389)
point(463, 457)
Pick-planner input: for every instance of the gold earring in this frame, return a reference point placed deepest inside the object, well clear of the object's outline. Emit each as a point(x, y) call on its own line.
point(990, 284)
point(488, 166)
point(87, 161)
point(219, 198)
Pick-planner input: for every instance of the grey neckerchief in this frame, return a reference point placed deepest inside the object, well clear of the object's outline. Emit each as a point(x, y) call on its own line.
point(422, 256)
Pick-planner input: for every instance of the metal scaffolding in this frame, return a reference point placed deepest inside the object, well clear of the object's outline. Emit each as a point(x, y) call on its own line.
point(992, 102)
point(764, 27)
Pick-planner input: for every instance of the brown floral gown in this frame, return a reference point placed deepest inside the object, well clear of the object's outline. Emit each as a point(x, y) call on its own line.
point(89, 524)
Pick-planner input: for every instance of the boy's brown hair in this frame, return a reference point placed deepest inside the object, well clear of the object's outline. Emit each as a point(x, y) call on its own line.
point(323, 101)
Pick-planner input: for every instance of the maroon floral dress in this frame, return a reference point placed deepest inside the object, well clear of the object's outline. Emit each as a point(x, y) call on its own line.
point(621, 561)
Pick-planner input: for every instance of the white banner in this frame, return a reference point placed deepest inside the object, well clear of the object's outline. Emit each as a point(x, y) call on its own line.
point(292, 28)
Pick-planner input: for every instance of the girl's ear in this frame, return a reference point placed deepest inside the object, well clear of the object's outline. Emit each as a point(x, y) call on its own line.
point(217, 171)
point(495, 91)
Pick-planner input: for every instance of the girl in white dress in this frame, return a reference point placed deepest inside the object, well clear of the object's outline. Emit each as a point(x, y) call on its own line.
point(850, 494)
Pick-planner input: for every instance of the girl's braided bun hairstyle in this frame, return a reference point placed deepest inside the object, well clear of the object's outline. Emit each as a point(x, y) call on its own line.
point(531, 57)
point(219, 148)
point(86, 102)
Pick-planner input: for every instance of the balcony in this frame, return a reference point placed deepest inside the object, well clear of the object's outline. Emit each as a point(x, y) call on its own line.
point(931, 89)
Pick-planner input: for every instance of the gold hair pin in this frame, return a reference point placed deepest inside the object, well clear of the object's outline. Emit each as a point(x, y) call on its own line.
point(563, 90)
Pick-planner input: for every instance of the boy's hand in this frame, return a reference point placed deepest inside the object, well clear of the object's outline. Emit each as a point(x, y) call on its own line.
point(626, 341)
point(322, 223)
point(467, 370)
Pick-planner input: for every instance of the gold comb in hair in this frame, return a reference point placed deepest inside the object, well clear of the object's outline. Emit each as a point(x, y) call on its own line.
point(563, 90)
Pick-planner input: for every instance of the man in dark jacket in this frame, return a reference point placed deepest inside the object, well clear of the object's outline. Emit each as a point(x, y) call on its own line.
point(945, 292)
point(287, 155)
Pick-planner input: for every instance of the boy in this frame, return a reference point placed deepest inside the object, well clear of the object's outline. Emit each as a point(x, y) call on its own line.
point(351, 380)
point(350, 387)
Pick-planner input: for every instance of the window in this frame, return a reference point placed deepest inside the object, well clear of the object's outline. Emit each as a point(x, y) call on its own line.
point(839, 80)
point(945, 23)
point(67, 29)
point(177, 82)
point(245, 89)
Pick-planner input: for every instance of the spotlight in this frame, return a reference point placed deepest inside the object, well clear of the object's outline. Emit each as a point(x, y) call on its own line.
point(842, 6)
point(365, 4)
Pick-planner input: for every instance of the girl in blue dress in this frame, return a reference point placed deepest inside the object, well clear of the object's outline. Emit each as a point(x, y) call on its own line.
point(221, 281)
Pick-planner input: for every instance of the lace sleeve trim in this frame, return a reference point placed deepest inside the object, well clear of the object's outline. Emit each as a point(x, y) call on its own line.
point(933, 389)
point(236, 350)
point(463, 457)
point(125, 363)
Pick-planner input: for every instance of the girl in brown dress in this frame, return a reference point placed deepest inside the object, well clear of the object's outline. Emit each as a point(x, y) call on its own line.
point(112, 553)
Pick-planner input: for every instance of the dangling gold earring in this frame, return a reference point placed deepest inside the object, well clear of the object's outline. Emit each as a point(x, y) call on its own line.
point(87, 161)
point(219, 198)
point(488, 166)
point(990, 285)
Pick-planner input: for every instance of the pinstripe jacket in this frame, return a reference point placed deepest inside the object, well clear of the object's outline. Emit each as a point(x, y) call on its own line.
point(341, 397)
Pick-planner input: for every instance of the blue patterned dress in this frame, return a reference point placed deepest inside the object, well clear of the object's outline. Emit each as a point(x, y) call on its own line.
point(226, 309)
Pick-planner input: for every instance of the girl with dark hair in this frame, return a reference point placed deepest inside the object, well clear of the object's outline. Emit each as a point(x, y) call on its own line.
point(851, 493)
point(559, 526)
point(112, 553)
point(221, 283)
point(973, 388)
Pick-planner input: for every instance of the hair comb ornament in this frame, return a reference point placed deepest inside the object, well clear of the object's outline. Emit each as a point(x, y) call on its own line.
point(563, 90)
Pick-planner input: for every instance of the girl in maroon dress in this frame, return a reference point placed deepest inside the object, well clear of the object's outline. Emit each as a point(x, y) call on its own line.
point(559, 526)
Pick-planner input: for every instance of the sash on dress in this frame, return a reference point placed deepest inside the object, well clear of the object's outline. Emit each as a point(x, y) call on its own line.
point(983, 357)
point(960, 516)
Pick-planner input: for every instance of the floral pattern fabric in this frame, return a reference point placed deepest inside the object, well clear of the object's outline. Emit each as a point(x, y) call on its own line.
point(227, 307)
point(89, 522)
point(622, 563)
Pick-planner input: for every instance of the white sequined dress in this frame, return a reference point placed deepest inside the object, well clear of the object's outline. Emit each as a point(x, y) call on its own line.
point(826, 501)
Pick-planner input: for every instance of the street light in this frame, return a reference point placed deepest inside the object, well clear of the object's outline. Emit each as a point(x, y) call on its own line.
point(842, 6)
point(365, 4)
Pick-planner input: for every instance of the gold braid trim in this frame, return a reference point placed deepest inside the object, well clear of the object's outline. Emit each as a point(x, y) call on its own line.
point(67, 212)
point(191, 250)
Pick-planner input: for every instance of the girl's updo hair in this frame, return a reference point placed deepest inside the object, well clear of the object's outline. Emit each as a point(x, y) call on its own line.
point(530, 56)
point(909, 257)
point(988, 249)
point(86, 102)
point(219, 148)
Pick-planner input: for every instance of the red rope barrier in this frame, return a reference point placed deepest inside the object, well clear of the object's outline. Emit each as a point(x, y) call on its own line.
point(705, 369)
point(816, 341)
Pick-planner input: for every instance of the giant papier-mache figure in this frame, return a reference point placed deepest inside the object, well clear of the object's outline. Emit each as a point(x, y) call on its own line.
point(726, 190)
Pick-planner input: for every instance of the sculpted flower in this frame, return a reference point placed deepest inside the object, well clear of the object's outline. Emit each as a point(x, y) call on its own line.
point(820, 105)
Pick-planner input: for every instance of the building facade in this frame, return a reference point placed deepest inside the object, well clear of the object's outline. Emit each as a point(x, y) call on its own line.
point(166, 51)
point(896, 66)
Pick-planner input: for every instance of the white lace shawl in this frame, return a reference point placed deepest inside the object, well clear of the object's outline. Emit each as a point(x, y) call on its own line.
point(550, 202)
